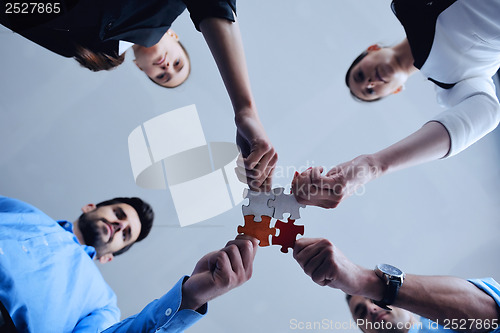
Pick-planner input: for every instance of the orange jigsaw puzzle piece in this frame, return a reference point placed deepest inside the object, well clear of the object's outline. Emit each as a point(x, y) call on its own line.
point(260, 230)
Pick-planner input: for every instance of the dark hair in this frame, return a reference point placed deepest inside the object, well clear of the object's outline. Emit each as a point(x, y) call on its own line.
point(97, 61)
point(348, 74)
point(189, 73)
point(144, 211)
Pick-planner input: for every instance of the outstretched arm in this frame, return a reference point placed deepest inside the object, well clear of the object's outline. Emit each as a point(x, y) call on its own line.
point(433, 297)
point(429, 143)
point(446, 297)
point(224, 39)
point(473, 111)
point(215, 274)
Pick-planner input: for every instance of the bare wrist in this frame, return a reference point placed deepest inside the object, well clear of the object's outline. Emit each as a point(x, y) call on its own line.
point(188, 300)
point(371, 286)
point(241, 114)
point(378, 164)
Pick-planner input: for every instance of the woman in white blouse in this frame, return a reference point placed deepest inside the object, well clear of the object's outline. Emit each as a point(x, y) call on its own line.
point(456, 45)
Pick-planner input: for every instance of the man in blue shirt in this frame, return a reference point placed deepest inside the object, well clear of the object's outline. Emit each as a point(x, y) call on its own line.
point(49, 282)
point(445, 303)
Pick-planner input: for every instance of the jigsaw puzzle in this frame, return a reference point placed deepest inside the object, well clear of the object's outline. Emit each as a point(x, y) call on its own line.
point(262, 208)
point(260, 230)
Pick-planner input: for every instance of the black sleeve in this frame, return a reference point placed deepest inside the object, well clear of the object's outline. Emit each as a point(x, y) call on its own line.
point(202, 9)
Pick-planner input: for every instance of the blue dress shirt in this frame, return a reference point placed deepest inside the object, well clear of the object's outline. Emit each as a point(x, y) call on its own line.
point(49, 282)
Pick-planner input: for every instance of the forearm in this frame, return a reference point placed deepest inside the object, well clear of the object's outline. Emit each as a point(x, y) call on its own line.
point(444, 297)
point(224, 40)
point(429, 143)
point(438, 298)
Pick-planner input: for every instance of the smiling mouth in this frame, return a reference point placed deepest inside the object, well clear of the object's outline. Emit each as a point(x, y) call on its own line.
point(380, 316)
point(110, 231)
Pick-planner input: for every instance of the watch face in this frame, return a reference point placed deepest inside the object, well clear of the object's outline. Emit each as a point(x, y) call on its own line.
point(390, 270)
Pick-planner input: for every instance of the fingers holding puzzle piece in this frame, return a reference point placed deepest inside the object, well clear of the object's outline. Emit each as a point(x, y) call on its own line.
point(260, 230)
point(262, 207)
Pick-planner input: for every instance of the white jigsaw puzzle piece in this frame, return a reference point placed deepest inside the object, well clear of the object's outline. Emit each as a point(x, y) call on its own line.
point(285, 203)
point(258, 204)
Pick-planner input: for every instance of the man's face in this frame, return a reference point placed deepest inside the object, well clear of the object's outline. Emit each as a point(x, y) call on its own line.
point(374, 319)
point(166, 63)
point(377, 75)
point(110, 228)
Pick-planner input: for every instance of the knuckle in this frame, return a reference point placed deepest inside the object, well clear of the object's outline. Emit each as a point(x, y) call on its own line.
point(268, 147)
point(325, 242)
point(249, 274)
point(318, 279)
point(330, 252)
point(221, 255)
point(227, 280)
point(262, 145)
point(245, 245)
point(341, 179)
point(232, 247)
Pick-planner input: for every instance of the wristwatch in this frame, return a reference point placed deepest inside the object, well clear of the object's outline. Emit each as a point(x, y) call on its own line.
point(393, 279)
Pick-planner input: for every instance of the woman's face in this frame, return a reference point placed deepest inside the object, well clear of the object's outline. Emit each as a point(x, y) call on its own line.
point(166, 63)
point(377, 75)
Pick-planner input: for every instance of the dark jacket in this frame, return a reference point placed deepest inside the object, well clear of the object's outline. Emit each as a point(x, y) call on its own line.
point(99, 25)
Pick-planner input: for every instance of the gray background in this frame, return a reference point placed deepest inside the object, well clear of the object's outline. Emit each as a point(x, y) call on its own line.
point(64, 144)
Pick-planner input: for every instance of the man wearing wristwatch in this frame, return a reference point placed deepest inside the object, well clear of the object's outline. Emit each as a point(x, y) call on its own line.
point(444, 303)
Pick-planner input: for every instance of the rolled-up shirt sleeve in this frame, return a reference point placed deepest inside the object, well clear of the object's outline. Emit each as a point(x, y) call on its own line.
point(202, 9)
point(492, 288)
point(489, 286)
point(472, 112)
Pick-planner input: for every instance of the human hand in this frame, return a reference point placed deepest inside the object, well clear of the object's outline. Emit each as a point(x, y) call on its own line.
point(311, 187)
point(218, 272)
point(327, 265)
point(259, 156)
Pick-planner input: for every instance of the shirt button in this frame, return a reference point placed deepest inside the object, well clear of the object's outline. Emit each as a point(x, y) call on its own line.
point(1, 251)
point(109, 25)
point(168, 312)
point(25, 249)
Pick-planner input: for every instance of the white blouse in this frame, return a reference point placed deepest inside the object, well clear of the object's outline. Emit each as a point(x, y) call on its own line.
point(466, 51)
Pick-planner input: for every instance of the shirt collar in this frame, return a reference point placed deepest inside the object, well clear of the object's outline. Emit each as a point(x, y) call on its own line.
point(124, 46)
point(90, 250)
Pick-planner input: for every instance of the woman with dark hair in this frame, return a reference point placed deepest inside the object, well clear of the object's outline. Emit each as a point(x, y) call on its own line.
point(401, 67)
point(95, 33)
point(166, 63)
point(456, 44)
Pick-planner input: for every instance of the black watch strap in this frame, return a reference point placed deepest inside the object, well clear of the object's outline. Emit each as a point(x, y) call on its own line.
point(390, 294)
